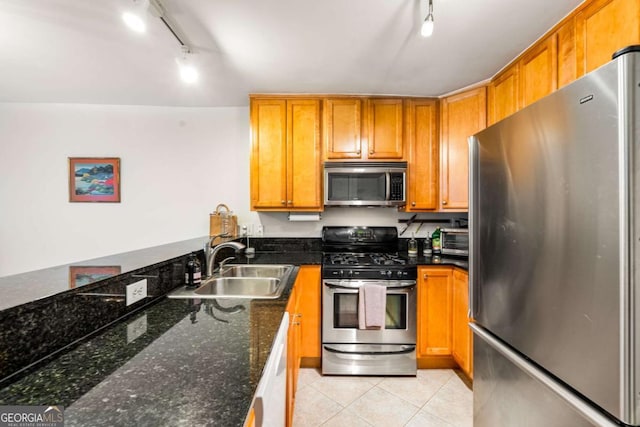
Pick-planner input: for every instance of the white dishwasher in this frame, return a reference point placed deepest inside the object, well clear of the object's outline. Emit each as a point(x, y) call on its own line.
point(270, 399)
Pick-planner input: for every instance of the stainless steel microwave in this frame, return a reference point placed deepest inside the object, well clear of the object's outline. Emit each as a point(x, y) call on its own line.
point(365, 183)
point(455, 241)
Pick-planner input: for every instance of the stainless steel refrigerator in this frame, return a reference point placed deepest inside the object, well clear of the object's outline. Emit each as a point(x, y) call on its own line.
point(555, 257)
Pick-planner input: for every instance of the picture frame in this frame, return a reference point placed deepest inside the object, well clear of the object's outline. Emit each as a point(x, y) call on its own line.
point(94, 179)
point(83, 275)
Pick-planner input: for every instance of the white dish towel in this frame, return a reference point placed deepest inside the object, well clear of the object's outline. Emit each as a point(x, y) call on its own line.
point(372, 306)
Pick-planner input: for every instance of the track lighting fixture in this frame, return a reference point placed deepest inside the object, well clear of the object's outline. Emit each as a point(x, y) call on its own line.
point(427, 25)
point(188, 73)
point(136, 19)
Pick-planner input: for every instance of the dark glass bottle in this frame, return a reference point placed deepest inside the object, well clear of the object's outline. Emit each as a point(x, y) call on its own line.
point(193, 271)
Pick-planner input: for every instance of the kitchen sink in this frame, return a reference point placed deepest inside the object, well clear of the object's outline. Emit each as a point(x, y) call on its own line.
point(255, 270)
point(241, 287)
point(253, 281)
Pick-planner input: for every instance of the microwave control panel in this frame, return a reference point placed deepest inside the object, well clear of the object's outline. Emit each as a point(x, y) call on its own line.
point(397, 186)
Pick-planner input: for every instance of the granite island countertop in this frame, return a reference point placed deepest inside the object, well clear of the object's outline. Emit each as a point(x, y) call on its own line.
point(177, 362)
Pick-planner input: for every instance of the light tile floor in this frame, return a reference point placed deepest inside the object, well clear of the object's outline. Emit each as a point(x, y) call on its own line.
point(434, 398)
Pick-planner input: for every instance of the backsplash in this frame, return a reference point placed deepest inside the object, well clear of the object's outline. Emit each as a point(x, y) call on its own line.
point(276, 224)
point(39, 329)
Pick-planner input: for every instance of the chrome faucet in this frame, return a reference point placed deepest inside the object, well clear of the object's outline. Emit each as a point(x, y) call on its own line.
point(207, 249)
point(211, 258)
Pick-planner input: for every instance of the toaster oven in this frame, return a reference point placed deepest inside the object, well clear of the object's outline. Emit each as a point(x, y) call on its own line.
point(455, 241)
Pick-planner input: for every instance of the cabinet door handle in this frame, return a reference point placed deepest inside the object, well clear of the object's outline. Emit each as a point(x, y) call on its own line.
point(444, 202)
point(283, 202)
point(371, 152)
point(413, 203)
point(289, 202)
point(358, 152)
point(425, 276)
point(296, 323)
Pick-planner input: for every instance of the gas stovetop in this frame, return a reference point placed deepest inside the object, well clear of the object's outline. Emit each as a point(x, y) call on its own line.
point(364, 253)
point(364, 259)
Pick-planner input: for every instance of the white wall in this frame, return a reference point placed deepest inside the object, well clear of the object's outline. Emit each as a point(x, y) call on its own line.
point(177, 164)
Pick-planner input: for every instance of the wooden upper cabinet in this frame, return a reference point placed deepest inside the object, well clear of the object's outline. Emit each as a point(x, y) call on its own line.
point(539, 71)
point(503, 95)
point(286, 166)
point(385, 136)
point(422, 138)
point(567, 52)
point(343, 128)
point(602, 28)
point(463, 115)
point(268, 153)
point(304, 165)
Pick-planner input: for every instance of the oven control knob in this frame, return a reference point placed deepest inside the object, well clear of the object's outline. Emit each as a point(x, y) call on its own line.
point(399, 273)
point(389, 274)
point(350, 273)
point(341, 273)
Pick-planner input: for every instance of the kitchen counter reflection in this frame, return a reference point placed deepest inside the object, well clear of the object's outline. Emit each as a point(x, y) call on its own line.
point(23, 288)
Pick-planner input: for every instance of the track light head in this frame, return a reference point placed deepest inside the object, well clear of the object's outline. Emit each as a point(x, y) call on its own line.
point(427, 26)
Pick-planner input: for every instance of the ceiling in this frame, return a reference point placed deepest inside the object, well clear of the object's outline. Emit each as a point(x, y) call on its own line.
point(79, 51)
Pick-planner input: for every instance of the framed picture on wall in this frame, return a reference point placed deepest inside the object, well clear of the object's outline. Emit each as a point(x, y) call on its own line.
point(83, 275)
point(94, 179)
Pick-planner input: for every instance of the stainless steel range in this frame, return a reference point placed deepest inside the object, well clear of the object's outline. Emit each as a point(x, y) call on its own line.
point(355, 257)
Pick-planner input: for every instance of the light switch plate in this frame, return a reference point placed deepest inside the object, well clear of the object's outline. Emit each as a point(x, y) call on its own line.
point(136, 291)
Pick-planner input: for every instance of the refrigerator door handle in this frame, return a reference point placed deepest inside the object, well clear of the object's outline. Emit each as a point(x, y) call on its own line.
point(580, 406)
point(473, 232)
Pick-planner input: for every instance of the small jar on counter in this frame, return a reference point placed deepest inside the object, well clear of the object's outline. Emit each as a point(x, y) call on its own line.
point(426, 249)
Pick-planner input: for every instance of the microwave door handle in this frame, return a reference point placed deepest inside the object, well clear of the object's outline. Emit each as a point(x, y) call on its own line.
point(388, 186)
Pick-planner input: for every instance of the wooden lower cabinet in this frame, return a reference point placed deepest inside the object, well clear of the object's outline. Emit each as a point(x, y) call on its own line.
point(444, 337)
point(435, 293)
point(303, 338)
point(251, 419)
point(462, 337)
point(308, 285)
point(293, 348)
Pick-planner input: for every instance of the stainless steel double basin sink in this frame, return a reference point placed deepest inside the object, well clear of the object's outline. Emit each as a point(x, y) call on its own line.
point(251, 281)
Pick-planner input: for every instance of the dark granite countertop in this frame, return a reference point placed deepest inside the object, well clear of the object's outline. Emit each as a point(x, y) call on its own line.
point(176, 362)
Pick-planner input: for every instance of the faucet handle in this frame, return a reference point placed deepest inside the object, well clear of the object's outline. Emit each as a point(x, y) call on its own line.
point(224, 261)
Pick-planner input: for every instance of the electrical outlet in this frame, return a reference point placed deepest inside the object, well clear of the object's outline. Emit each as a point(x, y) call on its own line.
point(137, 328)
point(136, 291)
point(259, 230)
point(244, 230)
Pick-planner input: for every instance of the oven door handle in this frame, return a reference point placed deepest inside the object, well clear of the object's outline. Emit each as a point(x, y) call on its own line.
point(409, 349)
point(355, 288)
